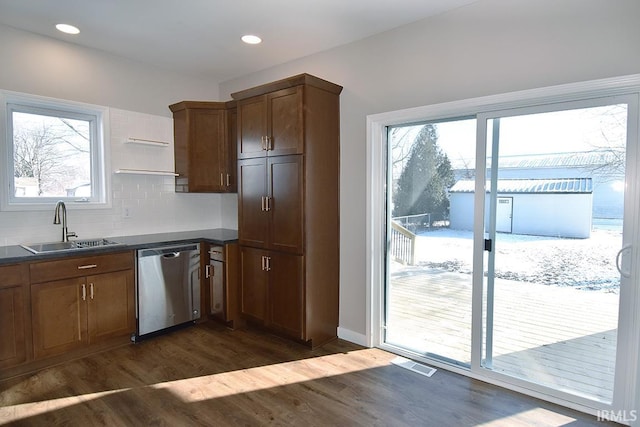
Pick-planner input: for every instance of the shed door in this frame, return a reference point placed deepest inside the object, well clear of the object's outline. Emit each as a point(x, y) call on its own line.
point(504, 214)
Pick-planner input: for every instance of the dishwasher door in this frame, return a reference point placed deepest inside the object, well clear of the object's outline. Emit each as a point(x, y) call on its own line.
point(168, 287)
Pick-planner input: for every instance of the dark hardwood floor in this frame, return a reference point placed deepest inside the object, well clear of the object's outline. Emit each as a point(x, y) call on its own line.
point(209, 375)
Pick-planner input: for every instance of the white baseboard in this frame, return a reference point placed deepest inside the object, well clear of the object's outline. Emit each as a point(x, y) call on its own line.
point(351, 336)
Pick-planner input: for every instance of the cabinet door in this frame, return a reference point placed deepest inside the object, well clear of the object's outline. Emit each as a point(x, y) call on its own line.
point(252, 127)
point(231, 154)
point(207, 162)
point(253, 283)
point(285, 293)
point(12, 328)
point(14, 315)
point(285, 122)
point(59, 316)
point(286, 204)
point(252, 193)
point(111, 310)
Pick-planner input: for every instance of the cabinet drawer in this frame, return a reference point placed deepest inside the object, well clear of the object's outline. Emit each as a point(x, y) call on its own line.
point(80, 266)
point(12, 275)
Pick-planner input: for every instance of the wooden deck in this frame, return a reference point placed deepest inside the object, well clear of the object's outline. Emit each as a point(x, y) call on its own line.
point(559, 337)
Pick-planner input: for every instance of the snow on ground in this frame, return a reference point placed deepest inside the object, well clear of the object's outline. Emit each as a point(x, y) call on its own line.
point(580, 263)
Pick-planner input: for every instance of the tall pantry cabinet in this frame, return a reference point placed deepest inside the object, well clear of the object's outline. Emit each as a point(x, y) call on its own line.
point(288, 206)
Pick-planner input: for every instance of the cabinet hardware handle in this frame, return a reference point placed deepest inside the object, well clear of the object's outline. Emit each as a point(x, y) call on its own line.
point(85, 267)
point(268, 258)
point(207, 271)
point(269, 143)
point(264, 143)
point(221, 180)
point(228, 180)
point(84, 292)
point(264, 264)
point(91, 290)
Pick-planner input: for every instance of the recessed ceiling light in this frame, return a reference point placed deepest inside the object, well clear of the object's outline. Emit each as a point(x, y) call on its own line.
point(66, 28)
point(251, 39)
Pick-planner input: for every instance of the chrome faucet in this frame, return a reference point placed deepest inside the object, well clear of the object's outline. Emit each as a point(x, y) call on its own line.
point(56, 220)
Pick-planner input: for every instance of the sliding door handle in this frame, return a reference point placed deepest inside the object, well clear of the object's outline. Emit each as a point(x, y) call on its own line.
point(623, 273)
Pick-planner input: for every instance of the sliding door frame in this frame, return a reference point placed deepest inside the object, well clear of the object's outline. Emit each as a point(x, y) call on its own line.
point(624, 399)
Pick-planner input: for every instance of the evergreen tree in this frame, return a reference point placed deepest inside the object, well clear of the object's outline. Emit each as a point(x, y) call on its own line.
point(425, 179)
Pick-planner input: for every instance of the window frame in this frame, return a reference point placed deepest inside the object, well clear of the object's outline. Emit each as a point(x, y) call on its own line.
point(97, 116)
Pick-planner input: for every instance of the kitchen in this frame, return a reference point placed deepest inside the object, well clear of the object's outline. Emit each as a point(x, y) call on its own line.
point(148, 204)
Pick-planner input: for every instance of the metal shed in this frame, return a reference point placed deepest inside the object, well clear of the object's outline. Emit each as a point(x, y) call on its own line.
point(558, 207)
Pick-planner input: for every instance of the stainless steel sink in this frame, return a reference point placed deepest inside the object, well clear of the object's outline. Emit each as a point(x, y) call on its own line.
point(74, 245)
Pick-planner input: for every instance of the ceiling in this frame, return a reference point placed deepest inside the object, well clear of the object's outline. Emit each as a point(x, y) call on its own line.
point(202, 37)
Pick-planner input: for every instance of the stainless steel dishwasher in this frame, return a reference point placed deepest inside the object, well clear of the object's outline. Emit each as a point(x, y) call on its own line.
point(168, 287)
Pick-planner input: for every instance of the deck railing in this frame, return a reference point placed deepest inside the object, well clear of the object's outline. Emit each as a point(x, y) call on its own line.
point(414, 223)
point(403, 244)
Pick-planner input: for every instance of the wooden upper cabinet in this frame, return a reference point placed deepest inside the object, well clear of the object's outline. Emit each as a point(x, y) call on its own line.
point(252, 127)
point(271, 124)
point(231, 152)
point(285, 122)
point(203, 145)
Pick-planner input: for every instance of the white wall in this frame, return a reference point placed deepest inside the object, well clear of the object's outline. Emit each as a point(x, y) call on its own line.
point(555, 215)
point(138, 97)
point(48, 67)
point(489, 47)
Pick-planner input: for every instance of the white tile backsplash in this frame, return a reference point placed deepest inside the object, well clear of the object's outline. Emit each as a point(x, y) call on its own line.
point(150, 200)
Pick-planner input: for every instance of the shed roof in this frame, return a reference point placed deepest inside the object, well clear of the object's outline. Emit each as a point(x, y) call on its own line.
point(579, 159)
point(554, 185)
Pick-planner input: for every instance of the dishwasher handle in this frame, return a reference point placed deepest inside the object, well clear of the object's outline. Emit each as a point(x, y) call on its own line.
point(172, 251)
point(171, 255)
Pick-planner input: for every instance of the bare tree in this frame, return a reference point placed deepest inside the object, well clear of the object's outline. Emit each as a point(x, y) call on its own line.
point(610, 140)
point(42, 151)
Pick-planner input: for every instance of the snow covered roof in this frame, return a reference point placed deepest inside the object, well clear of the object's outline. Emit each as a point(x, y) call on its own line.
point(555, 160)
point(555, 185)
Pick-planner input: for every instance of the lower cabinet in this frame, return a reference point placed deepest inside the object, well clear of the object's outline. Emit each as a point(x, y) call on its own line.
point(220, 286)
point(73, 312)
point(272, 290)
point(14, 315)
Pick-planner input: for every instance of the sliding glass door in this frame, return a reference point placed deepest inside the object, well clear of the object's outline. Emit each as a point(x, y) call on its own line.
point(429, 286)
point(509, 239)
point(555, 223)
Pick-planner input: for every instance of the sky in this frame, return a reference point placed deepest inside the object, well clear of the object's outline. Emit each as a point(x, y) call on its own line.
point(553, 132)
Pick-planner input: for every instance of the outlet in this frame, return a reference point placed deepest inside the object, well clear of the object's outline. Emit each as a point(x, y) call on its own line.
point(126, 212)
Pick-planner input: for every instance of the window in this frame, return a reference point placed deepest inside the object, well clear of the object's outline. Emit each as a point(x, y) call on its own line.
point(54, 150)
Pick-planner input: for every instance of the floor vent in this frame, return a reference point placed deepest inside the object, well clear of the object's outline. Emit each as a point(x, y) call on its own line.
point(419, 368)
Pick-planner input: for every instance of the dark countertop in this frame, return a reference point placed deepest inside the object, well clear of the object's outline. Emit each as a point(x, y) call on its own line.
point(220, 236)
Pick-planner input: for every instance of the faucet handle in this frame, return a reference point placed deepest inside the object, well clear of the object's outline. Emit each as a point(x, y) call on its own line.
point(71, 234)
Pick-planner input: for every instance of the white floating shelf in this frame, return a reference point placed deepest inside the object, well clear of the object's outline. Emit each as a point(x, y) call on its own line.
point(144, 172)
point(146, 142)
